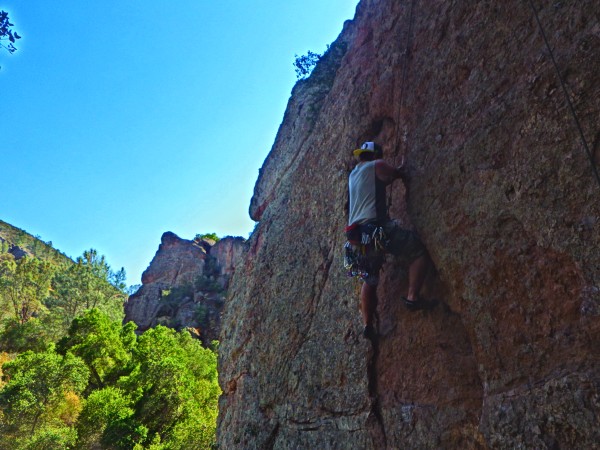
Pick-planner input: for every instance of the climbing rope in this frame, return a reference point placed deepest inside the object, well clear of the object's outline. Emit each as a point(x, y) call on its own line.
point(407, 57)
point(567, 96)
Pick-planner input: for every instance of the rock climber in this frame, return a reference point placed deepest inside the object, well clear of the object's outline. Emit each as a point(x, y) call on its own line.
point(371, 233)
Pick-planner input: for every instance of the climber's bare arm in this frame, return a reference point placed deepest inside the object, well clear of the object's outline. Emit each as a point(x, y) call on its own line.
point(388, 173)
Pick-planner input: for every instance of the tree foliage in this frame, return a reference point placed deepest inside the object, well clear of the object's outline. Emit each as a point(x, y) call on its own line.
point(6, 33)
point(89, 283)
point(39, 387)
point(104, 345)
point(73, 376)
point(35, 334)
point(211, 236)
point(105, 387)
point(181, 376)
point(24, 284)
point(103, 408)
point(46, 296)
point(305, 64)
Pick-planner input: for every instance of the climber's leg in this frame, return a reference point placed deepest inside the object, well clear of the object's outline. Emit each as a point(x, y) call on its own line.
point(368, 303)
point(417, 271)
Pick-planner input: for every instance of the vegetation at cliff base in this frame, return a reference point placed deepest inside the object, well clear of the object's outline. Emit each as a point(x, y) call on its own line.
point(101, 386)
point(74, 377)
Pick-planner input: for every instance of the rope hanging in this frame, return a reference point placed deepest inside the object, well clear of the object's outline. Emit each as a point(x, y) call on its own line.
point(567, 96)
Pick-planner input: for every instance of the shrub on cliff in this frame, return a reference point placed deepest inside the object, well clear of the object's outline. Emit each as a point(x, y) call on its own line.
point(207, 236)
point(304, 65)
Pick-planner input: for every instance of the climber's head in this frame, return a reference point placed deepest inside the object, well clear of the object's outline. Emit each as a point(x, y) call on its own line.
point(369, 151)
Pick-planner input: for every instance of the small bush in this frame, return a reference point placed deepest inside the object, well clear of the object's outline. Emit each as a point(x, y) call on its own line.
point(305, 64)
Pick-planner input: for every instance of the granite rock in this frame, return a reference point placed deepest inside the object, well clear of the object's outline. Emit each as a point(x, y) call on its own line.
point(185, 285)
point(504, 197)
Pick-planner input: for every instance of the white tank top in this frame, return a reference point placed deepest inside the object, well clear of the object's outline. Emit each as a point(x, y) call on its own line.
point(367, 194)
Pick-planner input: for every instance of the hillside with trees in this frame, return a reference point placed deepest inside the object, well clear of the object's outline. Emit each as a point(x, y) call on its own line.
point(16, 241)
point(73, 376)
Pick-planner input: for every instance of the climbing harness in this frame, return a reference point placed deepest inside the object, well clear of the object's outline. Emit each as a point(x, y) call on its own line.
point(407, 58)
point(363, 241)
point(567, 96)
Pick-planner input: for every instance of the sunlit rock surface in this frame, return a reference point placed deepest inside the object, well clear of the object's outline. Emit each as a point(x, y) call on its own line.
point(185, 285)
point(504, 198)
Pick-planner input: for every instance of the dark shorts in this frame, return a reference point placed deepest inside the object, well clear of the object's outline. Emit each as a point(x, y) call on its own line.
point(402, 243)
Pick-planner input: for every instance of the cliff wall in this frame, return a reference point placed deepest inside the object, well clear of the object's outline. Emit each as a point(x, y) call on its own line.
point(504, 197)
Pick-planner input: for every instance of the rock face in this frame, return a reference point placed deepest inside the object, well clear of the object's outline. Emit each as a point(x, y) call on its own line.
point(185, 285)
point(227, 253)
point(18, 252)
point(505, 200)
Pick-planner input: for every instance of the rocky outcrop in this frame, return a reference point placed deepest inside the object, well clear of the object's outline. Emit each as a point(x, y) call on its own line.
point(503, 196)
point(227, 253)
point(177, 262)
point(18, 252)
point(185, 285)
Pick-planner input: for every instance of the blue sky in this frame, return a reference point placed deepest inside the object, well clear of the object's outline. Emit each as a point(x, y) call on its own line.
point(121, 120)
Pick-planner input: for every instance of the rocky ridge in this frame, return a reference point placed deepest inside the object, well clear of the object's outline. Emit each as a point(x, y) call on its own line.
point(185, 285)
point(19, 243)
point(504, 198)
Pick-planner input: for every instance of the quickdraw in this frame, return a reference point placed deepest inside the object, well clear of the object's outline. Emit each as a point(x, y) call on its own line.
point(357, 253)
point(355, 260)
point(380, 240)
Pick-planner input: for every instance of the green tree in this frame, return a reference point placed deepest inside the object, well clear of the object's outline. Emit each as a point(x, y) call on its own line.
point(103, 344)
point(89, 283)
point(24, 285)
point(55, 293)
point(53, 437)
point(8, 267)
point(106, 347)
point(117, 279)
point(157, 391)
point(103, 408)
point(99, 267)
point(177, 389)
point(41, 394)
point(35, 334)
